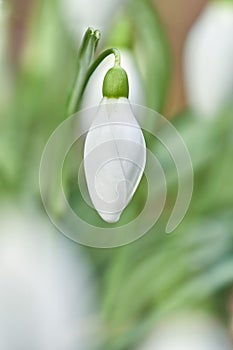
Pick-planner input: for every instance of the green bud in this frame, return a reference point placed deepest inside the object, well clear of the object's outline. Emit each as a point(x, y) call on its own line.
point(116, 83)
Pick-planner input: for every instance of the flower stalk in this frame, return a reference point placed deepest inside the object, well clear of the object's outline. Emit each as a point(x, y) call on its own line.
point(86, 67)
point(85, 58)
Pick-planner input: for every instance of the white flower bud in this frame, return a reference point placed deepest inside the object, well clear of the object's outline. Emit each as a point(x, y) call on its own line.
point(208, 69)
point(114, 157)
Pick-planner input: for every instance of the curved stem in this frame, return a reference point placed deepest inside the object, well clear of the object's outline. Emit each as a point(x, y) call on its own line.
point(96, 63)
point(101, 57)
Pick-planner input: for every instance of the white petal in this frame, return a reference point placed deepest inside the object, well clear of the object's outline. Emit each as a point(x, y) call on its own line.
point(114, 158)
point(175, 333)
point(208, 69)
point(46, 295)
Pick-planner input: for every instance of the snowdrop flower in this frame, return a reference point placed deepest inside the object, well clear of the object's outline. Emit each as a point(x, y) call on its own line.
point(208, 57)
point(46, 300)
point(115, 150)
point(189, 332)
point(80, 14)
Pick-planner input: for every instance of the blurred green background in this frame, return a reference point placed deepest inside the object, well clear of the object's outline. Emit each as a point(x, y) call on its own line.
point(181, 53)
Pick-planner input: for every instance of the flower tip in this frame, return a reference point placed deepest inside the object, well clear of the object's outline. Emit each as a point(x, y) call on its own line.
point(110, 218)
point(90, 31)
point(97, 34)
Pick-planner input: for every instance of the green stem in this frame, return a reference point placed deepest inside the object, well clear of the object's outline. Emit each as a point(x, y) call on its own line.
point(88, 34)
point(97, 62)
point(86, 55)
point(78, 97)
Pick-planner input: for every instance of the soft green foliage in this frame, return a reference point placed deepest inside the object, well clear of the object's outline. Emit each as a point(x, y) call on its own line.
point(161, 274)
point(152, 52)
